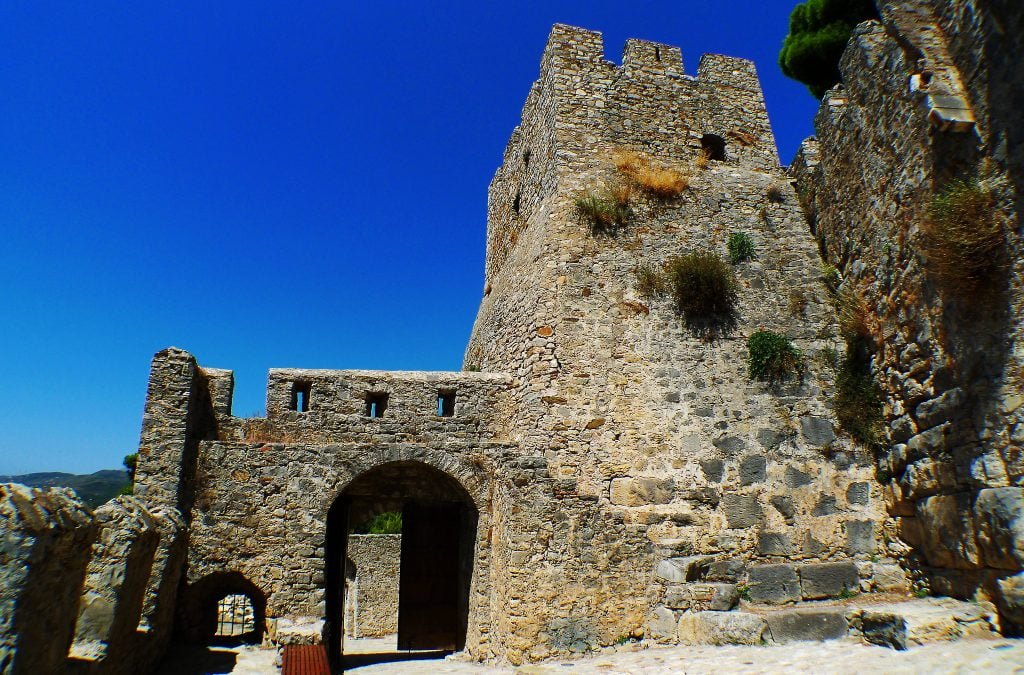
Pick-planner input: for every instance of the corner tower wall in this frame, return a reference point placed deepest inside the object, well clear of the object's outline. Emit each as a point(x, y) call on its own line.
point(652, 442)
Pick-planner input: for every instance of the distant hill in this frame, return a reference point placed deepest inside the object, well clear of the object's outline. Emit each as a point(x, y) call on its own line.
point(94, 488)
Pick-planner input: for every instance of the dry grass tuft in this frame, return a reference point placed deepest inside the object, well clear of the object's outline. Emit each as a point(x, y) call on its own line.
point(963, 242)
point(662, 182)
point(650, 283)
point(702, 160)
point(775, 194)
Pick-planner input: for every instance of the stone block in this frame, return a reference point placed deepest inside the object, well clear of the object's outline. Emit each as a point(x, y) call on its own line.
point(795, 478)
point(1011, 601)
point(753, 469)
point(827, 580)
point(680, 570)
point(713, 469)
point(721, 628)
point(860, 536)
point(773, 584)
point(926, 477)
point(817, 430)
point(726, 570)
point(947, 530)
point(826, 506)
point(999, 514)
point(784, 505)
point(770, 438)
point(45, 540)
point(742, 510)
point(885, 629)
point(697, 597)
point(817, 625)
point(889, 578)
point(662, 625)
point(858, 494)
point(938, 410)
point(774, 543)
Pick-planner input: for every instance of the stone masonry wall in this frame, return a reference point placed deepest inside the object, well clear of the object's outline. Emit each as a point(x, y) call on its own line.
point(371, 602)
point(934, 95)
point(650, 435)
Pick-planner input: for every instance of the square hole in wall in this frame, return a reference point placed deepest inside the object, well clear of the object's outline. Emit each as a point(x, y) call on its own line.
point(300, 396)
point(446, 403)
point(376, 404)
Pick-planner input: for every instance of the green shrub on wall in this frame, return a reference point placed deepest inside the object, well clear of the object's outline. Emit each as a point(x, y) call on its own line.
point(773, 358)
point(388, 522)
point(704, 290)
point(858, 399)
point(740, 247)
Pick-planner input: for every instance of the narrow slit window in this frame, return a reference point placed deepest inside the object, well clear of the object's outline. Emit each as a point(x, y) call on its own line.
point(300, 396)
point(446, 403)
point(657, 53)
point(526, 158)
point(517, 202)
point(376, 404)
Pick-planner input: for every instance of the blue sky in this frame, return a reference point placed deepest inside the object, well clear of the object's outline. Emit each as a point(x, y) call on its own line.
point(267, 185)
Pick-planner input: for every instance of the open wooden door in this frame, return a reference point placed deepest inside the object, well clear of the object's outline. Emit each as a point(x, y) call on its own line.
point(428, 589)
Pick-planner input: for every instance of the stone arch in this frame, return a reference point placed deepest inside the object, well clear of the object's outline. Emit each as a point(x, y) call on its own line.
point(198, 615)
point(457, 480)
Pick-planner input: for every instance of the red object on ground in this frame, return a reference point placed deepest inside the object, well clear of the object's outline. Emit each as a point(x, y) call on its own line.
point(305, 660)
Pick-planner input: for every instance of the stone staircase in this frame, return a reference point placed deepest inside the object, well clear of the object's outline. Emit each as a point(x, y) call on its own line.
point(704, 600)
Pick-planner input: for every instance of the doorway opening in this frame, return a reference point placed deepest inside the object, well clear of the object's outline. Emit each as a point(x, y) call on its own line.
point(437, 530)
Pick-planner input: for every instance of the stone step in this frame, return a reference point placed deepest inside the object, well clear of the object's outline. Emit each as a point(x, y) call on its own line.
point(896, 624)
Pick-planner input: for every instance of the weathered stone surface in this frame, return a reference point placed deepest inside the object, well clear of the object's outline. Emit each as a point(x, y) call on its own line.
point(999, 517)
point(827, 580)
point(753, 469)
point(662, 625)
point(742, 510)
point(858, 494)
point(721, 628)
point(157, 623)
point(817, 430)
point(371, 600)
point(115, 584)
point(1011, 598)
point(807, 625)
point(45, 539)
point(773, 584)
point(899, 625)
point(701, 596)
point(679, 570)
point(860, 536)
point(948, 531)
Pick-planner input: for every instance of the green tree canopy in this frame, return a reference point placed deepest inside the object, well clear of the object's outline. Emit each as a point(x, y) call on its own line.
point(818, 33)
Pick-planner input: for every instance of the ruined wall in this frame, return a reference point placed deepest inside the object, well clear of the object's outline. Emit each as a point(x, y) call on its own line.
point(654, 443)
point(371, 601)
point(930, 97)
point(45, 539)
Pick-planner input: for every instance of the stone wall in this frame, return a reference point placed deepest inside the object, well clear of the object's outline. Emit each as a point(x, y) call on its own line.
point(371, 600)
point(931, 96)
point(655, 441)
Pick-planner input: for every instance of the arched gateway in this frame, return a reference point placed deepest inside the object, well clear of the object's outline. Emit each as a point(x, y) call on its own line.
point(439, 537)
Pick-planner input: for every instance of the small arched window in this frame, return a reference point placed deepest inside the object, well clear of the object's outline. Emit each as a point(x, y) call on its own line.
point(713, 146)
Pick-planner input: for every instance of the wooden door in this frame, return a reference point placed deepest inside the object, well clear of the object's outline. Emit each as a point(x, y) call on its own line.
point(428, 588)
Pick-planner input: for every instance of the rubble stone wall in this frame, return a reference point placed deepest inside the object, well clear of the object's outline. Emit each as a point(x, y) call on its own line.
point(951, 367)
point(371, 600)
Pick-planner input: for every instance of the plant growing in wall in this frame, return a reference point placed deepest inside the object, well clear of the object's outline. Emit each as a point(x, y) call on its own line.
point(858, 400)
point(773, 358)
point(650, 282)
point(740, 247)
point(704, 290)
point(818, 33)
point(964, 244)
point(605, 210)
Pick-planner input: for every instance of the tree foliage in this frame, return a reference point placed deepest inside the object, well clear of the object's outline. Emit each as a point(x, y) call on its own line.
point(818, 33)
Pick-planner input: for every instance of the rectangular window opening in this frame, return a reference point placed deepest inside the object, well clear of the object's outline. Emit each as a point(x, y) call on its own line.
point(446, 403)
point(300, 396)
point(376, 404)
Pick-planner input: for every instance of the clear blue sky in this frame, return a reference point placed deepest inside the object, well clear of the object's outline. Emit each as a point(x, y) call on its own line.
point(269, 185)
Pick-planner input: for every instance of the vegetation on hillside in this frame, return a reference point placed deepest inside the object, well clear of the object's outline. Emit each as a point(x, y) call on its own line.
point(818, 33)
point(388, 522)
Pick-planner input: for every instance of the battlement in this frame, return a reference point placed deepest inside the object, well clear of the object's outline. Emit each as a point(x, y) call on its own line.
point(583, 106)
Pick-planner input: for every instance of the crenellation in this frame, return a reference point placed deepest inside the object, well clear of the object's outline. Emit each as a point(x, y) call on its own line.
point(644, 57)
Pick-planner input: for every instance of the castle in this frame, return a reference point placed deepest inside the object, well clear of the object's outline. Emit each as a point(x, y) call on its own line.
point(600, 471)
